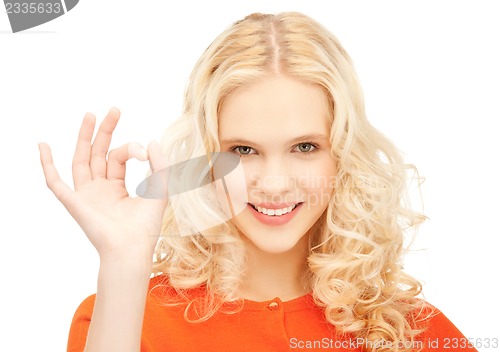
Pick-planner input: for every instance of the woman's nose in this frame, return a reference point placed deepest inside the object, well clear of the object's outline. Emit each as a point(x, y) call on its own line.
point(274, 176)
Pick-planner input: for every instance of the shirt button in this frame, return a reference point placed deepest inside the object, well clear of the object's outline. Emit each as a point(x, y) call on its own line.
point(273, 305)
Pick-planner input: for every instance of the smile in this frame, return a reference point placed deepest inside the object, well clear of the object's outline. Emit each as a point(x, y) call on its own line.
point(275, 212)
point(274, 217)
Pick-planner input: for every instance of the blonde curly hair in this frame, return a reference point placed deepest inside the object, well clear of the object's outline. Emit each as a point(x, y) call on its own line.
point(355, 253)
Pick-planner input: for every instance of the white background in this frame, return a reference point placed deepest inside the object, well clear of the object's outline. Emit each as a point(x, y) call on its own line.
point(431, 77)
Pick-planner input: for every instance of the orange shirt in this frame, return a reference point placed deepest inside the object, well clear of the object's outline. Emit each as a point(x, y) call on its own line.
point(274, 326)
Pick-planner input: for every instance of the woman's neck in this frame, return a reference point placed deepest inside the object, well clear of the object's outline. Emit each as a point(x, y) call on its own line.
point(271, 275)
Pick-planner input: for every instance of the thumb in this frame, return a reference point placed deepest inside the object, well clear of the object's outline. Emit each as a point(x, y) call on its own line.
point(155, 186)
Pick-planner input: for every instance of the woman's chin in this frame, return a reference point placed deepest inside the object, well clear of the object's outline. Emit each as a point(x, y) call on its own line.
point(275, 245)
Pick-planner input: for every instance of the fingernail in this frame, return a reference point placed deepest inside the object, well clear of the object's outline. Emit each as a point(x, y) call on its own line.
point(136, 150)
point(140, 152)
point(143, 152)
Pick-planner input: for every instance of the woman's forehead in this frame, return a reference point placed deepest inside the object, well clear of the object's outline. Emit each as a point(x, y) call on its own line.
point(276, 104)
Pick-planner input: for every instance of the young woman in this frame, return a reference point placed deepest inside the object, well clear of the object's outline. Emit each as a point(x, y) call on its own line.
point(306, 256)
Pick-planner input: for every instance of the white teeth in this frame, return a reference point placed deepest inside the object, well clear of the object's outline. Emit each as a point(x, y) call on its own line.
point(275, 212)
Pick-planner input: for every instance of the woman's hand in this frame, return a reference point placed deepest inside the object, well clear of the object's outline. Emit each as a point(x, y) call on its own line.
point(117, 225)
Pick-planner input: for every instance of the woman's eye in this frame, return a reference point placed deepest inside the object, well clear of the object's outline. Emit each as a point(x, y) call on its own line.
point(243, 150)
point(305, 147)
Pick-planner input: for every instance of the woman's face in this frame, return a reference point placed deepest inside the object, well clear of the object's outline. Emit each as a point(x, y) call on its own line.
point(280, 129)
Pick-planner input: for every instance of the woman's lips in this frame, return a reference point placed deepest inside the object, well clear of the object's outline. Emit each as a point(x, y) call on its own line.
point(274, 220)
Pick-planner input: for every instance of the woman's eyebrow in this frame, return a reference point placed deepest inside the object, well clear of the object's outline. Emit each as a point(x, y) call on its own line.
point(303, 138)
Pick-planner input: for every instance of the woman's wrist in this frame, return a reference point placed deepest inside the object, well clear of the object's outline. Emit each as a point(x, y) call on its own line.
point(137, 260)
point(120, 301)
